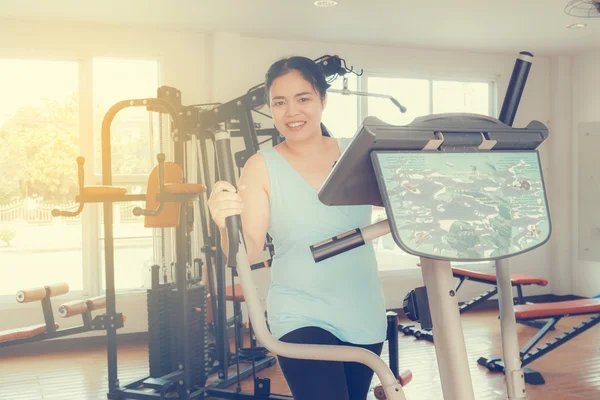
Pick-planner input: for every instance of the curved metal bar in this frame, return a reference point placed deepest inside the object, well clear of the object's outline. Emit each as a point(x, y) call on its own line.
point(60, 213)
point(110, 116)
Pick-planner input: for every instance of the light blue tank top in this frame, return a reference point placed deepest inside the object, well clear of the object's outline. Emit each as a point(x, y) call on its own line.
point(342, 295)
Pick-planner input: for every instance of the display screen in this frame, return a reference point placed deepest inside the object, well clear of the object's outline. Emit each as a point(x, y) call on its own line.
point(464, 206)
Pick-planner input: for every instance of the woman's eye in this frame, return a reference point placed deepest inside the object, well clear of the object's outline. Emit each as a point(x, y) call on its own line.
point(303, 99)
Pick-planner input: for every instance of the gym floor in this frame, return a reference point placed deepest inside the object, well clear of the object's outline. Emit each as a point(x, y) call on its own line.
point(571, 371)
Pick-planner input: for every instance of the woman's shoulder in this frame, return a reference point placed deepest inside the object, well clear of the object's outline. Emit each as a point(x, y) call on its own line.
point(256, 162)
point(255, 172)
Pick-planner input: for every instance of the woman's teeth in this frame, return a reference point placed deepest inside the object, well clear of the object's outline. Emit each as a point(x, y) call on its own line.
point(296, 124)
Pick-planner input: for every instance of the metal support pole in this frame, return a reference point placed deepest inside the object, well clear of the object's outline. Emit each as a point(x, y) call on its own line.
point(449, 339)
point(515, 380)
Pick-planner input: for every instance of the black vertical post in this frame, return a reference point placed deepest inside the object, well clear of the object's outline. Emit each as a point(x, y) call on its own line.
point(515, 88)
point(109, 257)
point(111, 307)
point(48, 315)
point(155, 276)
point(209, 241)
point(392, 337)
point(181, 255)
point(226, 170)
point(248, 131)
point(221, 315)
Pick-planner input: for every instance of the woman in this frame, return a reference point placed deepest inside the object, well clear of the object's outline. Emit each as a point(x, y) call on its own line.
point(338, 301)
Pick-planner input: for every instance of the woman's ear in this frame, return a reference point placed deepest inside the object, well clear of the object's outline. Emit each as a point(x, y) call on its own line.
point(324, 101)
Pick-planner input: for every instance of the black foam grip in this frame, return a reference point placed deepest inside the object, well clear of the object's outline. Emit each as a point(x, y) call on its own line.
point(337, 245)
point(515, 90)
point(227, 173)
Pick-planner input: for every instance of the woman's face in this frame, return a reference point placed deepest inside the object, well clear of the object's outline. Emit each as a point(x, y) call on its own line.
point(296, 106)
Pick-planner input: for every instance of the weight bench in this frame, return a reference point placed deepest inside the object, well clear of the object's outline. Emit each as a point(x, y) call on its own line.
point(555, 312)
point(39, 331)
point(50, 329)
point(517, 280)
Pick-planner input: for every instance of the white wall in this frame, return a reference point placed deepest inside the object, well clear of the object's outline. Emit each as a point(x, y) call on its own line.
point(585, 106)
point(221, 66)
point(558, 175)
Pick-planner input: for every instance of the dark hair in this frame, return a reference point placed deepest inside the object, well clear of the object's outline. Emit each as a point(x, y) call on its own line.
point(309, 69)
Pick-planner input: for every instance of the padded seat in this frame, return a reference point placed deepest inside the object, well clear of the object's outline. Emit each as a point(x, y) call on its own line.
point(23, 333)
point(558, 309)
point(516, 279)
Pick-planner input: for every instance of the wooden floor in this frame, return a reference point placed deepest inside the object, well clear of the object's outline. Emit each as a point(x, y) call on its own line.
point(571, 371)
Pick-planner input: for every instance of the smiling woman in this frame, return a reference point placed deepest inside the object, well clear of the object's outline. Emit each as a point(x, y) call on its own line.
point(307, 303)
point(299, 89)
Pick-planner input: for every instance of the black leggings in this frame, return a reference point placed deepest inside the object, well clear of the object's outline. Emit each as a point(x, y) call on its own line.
point(325, 380)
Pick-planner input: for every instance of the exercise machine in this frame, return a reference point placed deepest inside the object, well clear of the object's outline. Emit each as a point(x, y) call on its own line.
point(172, 191)
point(455, 187)
point(50, 329)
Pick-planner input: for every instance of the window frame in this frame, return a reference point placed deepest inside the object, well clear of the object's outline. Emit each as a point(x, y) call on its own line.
point(413, 272)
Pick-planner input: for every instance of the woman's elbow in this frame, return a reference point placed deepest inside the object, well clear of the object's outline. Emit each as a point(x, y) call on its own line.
point(253, 250)
point(254, 255)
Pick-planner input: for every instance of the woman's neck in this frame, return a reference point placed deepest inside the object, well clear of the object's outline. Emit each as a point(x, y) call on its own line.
point(313, 146)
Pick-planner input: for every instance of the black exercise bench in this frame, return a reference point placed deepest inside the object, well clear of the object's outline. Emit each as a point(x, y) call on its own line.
point(517, 280)
point(554, 312)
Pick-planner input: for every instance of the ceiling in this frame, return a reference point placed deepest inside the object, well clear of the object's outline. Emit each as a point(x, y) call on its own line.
point(467, 25)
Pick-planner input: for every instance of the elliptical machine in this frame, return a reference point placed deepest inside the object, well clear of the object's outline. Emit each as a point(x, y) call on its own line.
point(384, 166)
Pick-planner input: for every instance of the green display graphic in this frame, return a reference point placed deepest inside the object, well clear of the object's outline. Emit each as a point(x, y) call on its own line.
point(464, 206)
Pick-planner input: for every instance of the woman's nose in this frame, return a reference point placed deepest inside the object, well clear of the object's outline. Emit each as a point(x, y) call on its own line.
point(291, 110)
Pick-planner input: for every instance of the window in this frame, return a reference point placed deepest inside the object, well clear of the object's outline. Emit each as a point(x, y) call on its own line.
point(135, 142)
point(414, 94)
point(464, 97)
point(341, 112)
point(116, 80)
point(421, 97)
point(41, 132)
point(39, 135)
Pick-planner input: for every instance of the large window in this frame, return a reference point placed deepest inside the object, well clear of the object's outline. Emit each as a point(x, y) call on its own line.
point(420, 97)
point(341, 113)
point(50, 115)
point(39, 138)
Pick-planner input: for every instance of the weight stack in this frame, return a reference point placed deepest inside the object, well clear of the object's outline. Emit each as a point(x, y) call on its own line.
point(159, 330)
point(198, 334)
